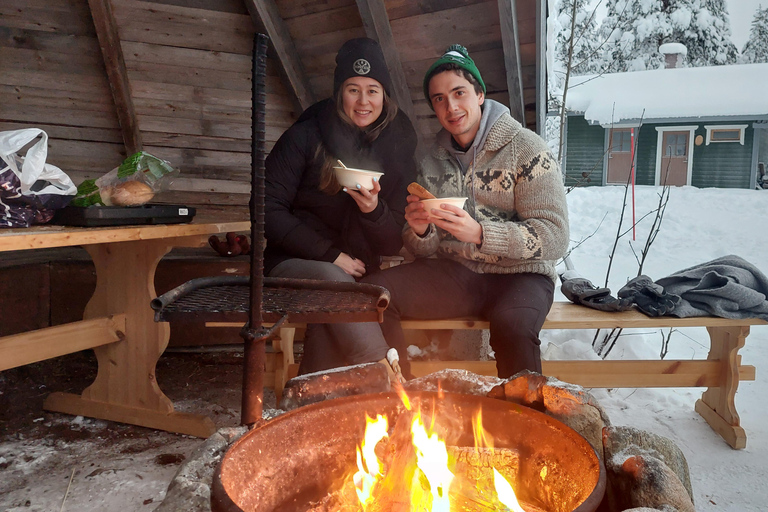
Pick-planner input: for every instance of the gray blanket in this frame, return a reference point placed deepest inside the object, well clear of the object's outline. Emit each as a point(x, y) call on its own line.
point(728, 287)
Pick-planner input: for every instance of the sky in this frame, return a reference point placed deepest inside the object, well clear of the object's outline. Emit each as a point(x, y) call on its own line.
point(741, 13)
point(699, 225)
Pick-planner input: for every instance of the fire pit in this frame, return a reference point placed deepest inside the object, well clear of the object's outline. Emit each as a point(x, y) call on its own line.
point(294, 461)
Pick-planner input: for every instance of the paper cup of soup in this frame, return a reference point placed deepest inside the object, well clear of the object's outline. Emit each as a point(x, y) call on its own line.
point(349, 177)
point(429, 204)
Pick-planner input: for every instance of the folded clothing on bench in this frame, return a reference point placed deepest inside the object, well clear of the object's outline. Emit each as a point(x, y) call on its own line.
point(728, 287)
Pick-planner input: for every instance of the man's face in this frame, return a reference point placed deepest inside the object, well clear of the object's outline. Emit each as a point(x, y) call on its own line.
point(457, 105)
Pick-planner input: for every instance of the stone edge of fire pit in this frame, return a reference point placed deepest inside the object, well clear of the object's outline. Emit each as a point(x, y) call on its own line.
point(630, 453)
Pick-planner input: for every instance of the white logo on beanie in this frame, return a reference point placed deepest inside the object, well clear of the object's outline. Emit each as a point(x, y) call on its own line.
point(361, 67)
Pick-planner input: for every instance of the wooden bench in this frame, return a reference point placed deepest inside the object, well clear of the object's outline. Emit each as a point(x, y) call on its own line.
point(720, 373)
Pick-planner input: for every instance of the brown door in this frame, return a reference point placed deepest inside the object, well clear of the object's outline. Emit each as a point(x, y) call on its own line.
point(674, 159)
point(619, 156)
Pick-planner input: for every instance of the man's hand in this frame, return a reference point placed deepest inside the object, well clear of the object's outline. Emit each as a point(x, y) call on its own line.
point(350, 265)
point(458, 222)
point(366, 200)
point(416, 216)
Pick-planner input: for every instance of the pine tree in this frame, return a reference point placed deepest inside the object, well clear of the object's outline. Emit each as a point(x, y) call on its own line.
point(573, 22)
point(585, 31)
point(756, 48)
point(585, 58)
point(634, 30)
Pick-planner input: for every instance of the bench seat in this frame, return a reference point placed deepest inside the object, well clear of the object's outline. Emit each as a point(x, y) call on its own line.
point(720, 372)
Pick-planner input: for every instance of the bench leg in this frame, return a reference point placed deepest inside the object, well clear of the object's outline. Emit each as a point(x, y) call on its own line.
point(717, 405)
point(283, 347)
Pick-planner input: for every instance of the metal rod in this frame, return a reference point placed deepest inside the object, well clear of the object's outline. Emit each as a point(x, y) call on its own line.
point(255, 350)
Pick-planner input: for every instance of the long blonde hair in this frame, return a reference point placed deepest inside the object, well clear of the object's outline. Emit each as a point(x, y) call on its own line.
point(328, 182)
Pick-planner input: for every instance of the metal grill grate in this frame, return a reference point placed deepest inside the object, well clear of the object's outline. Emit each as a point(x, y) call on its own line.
point(227, 298)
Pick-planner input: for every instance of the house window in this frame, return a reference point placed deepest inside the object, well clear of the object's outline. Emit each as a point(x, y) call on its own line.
point(621, 141)
point(675, 144)
point(725, 133)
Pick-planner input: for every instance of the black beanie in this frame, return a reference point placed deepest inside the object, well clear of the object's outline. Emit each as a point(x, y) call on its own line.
point(361, 57)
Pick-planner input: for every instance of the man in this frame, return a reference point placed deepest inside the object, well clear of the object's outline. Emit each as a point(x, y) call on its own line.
point(496, 259)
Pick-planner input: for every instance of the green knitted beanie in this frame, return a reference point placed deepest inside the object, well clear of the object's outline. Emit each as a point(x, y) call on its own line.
point(455, 54)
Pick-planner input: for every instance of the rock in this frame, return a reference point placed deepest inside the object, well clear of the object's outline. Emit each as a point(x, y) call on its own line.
point(633, 441)
point(345, 381)
point(663, 508)
point(454, 381)
point(565, 402)
point(644, 481)
point(190, 489)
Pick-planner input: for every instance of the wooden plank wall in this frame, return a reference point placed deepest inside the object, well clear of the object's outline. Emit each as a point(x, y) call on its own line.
point(189, 69)
point(422, 31)
point(53, 78)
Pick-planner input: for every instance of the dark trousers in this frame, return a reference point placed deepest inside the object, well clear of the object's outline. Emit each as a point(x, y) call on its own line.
point(516, 306)
point(333, 345)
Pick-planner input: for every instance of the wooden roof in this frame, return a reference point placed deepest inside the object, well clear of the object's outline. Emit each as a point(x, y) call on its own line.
point(172, 77)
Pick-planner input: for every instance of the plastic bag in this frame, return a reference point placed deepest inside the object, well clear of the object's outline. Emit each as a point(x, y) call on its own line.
point(30, 189)
point(134, 182)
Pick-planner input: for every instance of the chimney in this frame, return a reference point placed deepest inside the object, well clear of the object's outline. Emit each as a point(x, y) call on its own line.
point(674, 54)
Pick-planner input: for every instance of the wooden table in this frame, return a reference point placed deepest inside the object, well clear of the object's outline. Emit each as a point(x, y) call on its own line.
point(118, 322)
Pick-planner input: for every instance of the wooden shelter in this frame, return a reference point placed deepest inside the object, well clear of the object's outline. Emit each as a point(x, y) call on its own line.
point(105, 78)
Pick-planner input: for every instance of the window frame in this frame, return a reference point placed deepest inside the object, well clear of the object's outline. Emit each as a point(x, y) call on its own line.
point(742, 128)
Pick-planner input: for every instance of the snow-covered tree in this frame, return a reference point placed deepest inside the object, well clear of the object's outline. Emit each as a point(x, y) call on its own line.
point(634, 30)
point(756, 48)
point(583, 59)
point(565, 51)
point(572, 30)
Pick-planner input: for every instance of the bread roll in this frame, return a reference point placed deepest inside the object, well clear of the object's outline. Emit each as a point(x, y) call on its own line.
point(131, 193)
point(417, 190)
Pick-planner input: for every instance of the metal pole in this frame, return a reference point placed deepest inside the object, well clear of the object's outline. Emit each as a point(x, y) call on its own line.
point(255, 349)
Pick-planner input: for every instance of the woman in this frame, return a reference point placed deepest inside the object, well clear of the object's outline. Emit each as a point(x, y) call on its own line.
point(317, 230)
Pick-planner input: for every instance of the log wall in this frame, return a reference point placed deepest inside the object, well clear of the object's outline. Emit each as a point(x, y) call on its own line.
point(188, 67)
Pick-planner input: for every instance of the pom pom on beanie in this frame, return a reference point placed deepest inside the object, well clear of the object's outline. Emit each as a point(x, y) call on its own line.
point(455, 54)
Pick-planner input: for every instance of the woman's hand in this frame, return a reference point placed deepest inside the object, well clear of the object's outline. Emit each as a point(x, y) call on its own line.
point(458, 222)
point(367, 200)
point(416, 216)
point(350, 265)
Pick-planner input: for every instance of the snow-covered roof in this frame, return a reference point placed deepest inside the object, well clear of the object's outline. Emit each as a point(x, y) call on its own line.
point(705, 92)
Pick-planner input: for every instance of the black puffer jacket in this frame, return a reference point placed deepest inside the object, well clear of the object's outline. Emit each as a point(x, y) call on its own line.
point(303, 222)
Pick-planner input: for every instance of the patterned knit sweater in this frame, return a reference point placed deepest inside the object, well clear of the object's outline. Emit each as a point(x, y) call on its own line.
point(515, 192)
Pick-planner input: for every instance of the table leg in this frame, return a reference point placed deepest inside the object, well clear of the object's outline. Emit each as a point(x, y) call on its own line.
point(717, 405)
point(125, 388)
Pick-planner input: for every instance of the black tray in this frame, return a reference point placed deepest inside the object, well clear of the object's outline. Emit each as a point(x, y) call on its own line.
point(123, 215)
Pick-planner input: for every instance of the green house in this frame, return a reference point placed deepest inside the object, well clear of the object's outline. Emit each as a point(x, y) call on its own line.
point(705, 127)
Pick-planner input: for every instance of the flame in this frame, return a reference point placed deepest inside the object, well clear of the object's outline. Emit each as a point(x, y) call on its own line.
point(505, 492)
point(368, 465)
point(482, 437)
point(432, 460)
point(430, 485)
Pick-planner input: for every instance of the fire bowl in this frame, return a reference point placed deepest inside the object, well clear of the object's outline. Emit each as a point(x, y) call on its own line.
point(296, 458)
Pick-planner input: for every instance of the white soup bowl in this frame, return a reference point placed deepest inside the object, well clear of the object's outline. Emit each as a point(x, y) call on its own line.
point(349, 177)
point(435, 203)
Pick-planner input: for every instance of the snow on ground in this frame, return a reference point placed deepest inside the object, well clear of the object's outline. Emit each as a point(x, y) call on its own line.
point(698, 226)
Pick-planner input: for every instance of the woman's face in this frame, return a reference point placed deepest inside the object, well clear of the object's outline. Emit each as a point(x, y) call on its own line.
point(362, 100)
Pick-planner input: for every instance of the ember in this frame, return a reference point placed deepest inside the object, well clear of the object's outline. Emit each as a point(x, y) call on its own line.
point(432, 453)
